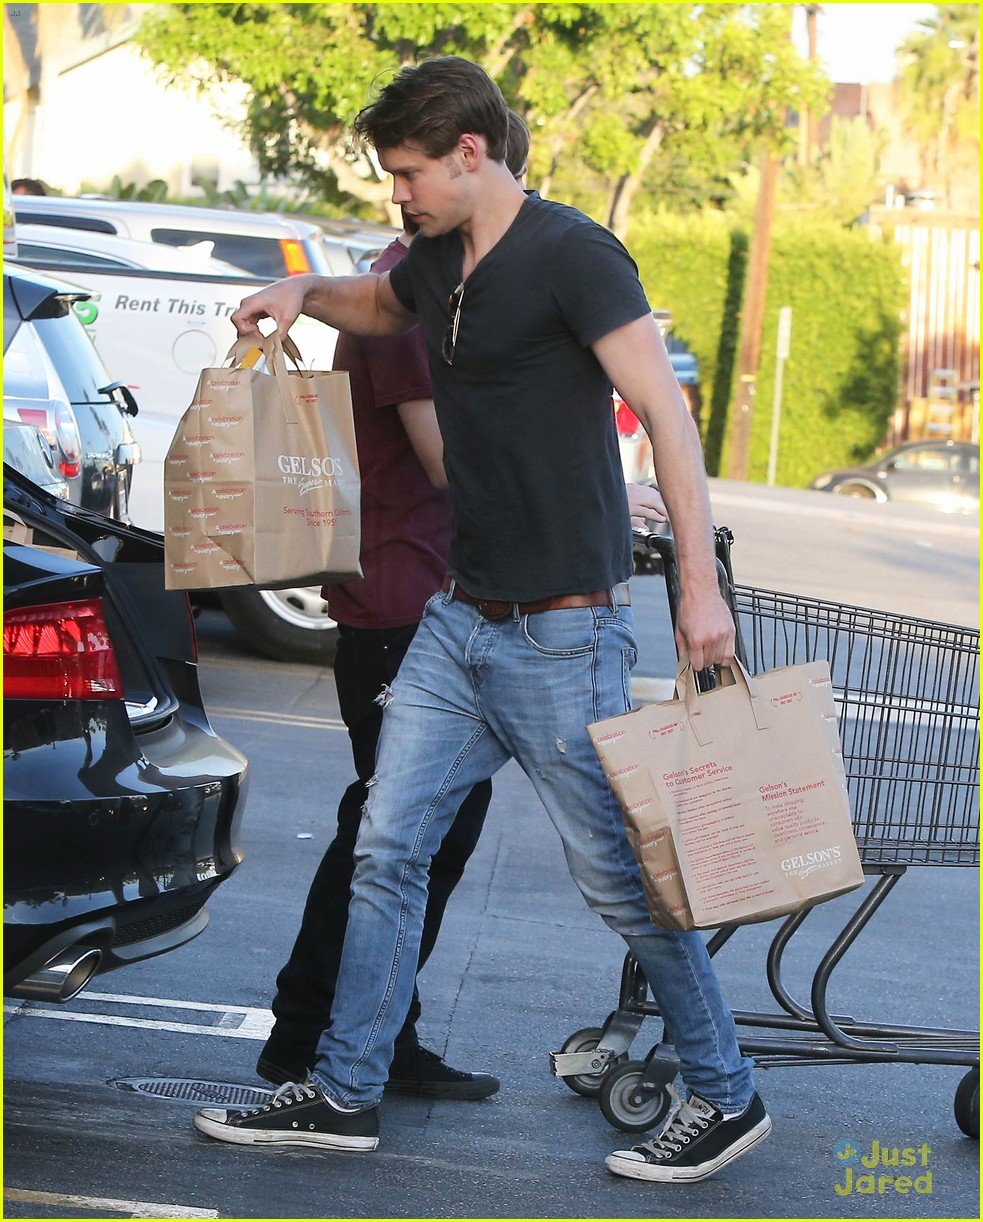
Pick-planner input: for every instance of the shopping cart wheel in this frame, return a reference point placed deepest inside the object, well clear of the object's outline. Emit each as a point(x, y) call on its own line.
point(587, 1084)
point(967, 1105)
point(627, 1104)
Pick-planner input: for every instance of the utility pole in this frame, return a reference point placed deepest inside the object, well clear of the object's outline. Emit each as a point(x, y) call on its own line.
point(807, 117)
point(752, 319)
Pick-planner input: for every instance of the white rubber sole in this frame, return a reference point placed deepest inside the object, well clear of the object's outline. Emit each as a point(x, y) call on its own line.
point(635, 1169)
point(282, 1137)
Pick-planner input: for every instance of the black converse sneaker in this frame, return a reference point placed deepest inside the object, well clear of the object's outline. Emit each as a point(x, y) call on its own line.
point(298, 1114)
point(697, 1141)
point(418, 1071)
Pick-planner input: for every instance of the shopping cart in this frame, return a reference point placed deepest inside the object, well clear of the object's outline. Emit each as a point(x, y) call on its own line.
point(907, 692)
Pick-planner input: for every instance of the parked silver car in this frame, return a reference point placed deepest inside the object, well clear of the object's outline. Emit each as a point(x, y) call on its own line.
point(941, 474)
point(25, 449)
point(53, 379)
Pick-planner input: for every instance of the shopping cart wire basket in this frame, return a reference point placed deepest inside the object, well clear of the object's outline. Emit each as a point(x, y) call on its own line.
point(907, 695)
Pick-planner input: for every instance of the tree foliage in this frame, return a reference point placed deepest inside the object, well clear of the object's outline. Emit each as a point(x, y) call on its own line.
point(609, 88)
point(939, 84)
point(847, 290)
point(843, 179)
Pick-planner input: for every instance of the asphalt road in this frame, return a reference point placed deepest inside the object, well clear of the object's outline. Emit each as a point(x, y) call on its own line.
point(521, 964)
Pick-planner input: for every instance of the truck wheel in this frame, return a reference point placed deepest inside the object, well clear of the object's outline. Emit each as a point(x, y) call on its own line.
point(291, 625)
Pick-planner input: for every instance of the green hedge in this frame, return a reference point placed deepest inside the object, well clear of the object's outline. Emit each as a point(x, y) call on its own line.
point(841, 379)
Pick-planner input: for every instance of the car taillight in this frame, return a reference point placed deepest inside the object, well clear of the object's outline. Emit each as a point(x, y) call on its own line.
point(61, 651)
point(57, 422)
point(41, 419)
point(626, 420)
point(69, 441)
point(294, 257)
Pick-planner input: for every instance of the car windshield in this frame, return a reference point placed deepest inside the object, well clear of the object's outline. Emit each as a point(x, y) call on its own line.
point(261, 257)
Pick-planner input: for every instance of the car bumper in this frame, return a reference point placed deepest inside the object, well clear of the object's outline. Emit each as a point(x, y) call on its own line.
point(116, 850)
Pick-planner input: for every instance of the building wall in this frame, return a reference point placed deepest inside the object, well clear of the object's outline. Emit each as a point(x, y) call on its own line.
point(110, 115)
point(82, 105)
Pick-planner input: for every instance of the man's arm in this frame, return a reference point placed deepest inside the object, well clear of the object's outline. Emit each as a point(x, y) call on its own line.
point(419, 419)
point(635, 359)
point(361, 305)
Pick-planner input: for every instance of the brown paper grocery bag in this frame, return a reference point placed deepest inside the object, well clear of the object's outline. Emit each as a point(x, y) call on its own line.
point(261, 481)
point(734, 800)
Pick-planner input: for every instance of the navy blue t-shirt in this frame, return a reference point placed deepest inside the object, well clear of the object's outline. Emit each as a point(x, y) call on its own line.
point(536, 487)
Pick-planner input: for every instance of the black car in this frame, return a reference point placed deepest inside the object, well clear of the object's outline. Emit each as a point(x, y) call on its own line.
point(53, 378)
point(121, 804)
point(938, 473)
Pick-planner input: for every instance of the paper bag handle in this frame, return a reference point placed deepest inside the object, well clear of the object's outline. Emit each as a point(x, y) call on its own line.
point(274, 347)
point(245, 344)
point(687, 690)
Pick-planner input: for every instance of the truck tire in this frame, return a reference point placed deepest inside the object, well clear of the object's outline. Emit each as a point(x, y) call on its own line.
point(291, 625)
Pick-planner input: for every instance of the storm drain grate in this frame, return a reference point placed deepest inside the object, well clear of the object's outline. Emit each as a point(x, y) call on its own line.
point(193, 1090)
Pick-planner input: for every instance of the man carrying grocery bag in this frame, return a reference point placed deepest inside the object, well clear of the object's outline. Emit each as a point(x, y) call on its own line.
point(530, 312)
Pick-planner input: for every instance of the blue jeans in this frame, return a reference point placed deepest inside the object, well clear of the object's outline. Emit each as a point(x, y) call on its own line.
point(471, 694)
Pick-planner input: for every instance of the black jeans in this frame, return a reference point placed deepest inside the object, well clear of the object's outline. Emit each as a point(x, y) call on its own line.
point(367, 660)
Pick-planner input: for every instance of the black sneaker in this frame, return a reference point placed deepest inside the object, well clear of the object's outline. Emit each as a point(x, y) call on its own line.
point(297, 1115)
point(280, 1074)
point(697, 1141)
point(419, 1071)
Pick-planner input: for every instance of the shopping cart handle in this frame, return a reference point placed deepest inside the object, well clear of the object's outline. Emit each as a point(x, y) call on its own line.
point(663, 544)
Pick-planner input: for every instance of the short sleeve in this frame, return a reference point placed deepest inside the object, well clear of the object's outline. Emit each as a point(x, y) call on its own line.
point(401, 283)
point(595, 283)
point(398, 368)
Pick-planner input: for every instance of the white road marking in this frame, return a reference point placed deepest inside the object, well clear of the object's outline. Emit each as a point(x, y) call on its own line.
point(646, 690)
point(236, 1022)
point(284, 719)
point(135, 1209)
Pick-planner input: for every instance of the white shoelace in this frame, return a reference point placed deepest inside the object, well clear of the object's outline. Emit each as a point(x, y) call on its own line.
point(289, 1092)
point(682, 1126)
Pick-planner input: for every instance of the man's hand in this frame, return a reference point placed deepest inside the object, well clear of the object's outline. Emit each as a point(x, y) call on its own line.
point(282, 301)
point(645, 505)
point(705, 629)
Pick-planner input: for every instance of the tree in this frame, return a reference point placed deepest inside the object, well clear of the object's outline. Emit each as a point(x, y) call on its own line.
point(309, 68)
point(939, 86)
point(602, 86)
point(844, 179)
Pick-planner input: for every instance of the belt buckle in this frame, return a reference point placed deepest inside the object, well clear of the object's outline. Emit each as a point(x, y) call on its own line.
point(485, 608)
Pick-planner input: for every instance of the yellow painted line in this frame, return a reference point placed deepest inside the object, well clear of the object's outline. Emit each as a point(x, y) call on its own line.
point(133, 1209)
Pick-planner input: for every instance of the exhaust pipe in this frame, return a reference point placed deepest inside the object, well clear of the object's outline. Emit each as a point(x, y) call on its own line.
point(62, 977)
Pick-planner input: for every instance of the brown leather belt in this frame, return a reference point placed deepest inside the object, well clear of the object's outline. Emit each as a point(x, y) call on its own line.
point(492, 608)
